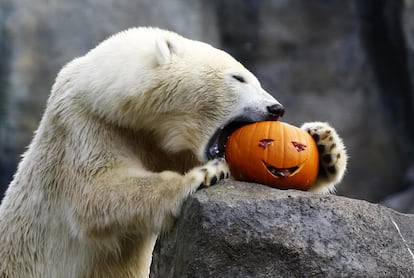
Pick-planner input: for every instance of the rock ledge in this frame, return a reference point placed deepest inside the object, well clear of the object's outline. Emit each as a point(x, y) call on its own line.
point(240, 229)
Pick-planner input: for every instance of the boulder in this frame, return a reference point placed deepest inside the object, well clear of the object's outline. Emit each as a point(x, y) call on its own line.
point(241, 229)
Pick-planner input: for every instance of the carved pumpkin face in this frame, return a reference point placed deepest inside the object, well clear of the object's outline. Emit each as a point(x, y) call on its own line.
point(273, 153)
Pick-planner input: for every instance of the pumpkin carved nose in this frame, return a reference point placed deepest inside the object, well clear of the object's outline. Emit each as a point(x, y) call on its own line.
point(276, 110)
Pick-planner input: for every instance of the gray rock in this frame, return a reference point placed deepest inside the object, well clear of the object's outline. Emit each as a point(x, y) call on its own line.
point(310, 55)
point(249, 230)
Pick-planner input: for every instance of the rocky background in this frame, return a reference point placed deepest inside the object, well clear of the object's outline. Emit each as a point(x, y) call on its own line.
point(350, 63)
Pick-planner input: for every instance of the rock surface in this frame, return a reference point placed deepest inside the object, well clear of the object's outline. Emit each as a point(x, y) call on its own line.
point(347, 62)
point(249, 230)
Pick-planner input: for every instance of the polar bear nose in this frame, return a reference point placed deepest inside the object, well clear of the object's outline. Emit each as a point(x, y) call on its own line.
point(276, 111)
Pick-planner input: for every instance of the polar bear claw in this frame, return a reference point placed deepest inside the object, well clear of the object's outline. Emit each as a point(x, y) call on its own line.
point(209, 174)
point(332, 156)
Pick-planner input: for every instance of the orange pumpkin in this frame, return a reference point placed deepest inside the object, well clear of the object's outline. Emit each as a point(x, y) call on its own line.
point(273, 153)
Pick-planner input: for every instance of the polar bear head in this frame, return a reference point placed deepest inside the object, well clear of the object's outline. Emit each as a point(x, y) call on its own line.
point(187, 94)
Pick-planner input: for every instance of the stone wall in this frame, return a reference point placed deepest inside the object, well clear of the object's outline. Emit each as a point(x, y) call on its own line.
point(346, 62)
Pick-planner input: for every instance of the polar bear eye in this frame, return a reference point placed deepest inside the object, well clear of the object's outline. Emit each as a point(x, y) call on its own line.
point(239, 78)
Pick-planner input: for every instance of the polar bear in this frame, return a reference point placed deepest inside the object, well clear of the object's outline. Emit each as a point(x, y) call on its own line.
point(130, 130)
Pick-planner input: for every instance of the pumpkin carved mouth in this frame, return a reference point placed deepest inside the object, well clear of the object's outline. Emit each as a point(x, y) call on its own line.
point(282, 172)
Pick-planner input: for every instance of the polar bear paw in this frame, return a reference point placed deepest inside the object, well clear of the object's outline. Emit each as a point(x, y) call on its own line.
point(208, 174)
point(332, 156)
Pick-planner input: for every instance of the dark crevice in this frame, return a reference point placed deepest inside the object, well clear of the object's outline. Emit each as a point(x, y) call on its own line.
point(382, 35)
point(383, 38)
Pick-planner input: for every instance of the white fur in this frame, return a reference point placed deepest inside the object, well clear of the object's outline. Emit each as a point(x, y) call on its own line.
point(119, 148)
point(330, 146)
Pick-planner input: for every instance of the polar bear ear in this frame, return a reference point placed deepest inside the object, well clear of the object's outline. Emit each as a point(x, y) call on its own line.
point(165, 50)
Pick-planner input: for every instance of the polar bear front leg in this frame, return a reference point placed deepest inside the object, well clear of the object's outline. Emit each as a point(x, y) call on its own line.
point(149, 204)
point(199, 177)
point(332, 156)
point(134, 210)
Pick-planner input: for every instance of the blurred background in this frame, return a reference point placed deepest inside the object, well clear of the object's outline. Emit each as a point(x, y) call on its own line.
point(347, 62)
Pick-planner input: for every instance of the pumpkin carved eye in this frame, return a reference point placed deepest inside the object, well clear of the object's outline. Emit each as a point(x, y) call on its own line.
point(299, 146)
point(264, 143)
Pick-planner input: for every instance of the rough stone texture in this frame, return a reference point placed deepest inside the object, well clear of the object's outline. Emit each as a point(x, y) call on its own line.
point(249, 230)
point(347, 62)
